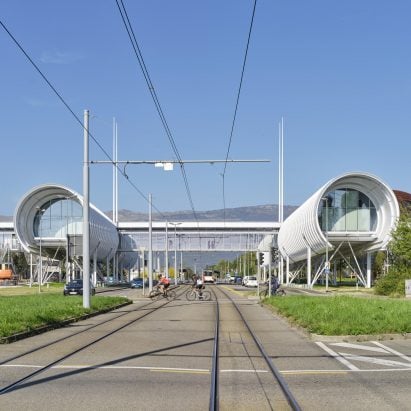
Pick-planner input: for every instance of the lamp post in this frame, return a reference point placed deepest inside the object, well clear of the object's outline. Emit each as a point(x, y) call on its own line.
point(327, 269)
point(175, 251)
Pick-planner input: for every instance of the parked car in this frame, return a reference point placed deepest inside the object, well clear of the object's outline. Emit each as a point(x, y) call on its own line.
point(75, 287)
point(136, 283)
point(245, 279)
point(252, 282)
point(146, 283)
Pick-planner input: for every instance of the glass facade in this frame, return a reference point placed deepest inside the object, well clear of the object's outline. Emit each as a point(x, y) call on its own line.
point(347, 210)
point(57, 218)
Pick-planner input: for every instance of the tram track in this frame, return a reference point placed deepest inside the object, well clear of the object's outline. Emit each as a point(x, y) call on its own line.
point(214, 389)
point(13, 385)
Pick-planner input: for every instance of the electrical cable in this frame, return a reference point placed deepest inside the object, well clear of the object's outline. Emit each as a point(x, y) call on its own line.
point(75, 115)
point(237, 102)
point(140, 59)
point(137, 51)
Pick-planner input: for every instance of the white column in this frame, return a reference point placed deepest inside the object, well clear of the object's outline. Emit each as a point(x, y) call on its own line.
point(369, 270)
point(86, 210)
point(309, 267)
point(150, 244)
point(287, 270)
point(95, 267)
point(166, 252)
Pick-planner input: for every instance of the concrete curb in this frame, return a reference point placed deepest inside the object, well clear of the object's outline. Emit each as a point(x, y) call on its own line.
point(336, 338)
point(359, 338)
point(49, 327)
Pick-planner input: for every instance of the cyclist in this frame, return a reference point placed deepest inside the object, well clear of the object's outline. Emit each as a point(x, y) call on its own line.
point(274, 284)
point(163, 284)
point(199, 286)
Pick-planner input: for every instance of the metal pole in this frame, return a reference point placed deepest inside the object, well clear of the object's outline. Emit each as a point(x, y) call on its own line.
point(175, 254)
point(86, 205)
point(327, 269)
point(181, 263)
point(41, 263)
point(113, 217)
point(150, 245)
point(144, 269)
point(166, 262)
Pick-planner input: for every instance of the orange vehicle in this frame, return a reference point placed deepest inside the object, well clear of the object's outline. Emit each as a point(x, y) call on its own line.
point(6, 274)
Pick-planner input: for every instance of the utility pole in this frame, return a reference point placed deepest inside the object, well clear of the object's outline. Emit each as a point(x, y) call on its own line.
point(86, 209)
point(150, 245)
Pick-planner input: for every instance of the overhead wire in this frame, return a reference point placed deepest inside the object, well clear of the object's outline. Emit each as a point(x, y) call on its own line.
point(236, 106)
point(60, 97)
point(137, 51)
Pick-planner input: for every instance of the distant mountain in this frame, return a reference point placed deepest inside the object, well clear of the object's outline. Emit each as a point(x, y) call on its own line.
point(267, 212)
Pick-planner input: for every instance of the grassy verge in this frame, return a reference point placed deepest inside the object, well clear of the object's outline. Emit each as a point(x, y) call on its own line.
point(23, 313)
point(345, 315)
point(52, 288)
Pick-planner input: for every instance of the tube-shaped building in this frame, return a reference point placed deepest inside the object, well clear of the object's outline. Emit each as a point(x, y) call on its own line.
point(356, 208)
point(51, 215)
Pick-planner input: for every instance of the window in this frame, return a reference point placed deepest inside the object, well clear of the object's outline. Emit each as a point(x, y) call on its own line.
point(347, 210)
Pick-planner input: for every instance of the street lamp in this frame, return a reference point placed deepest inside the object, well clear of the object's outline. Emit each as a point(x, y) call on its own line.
point(175, 251)
point(327, 269)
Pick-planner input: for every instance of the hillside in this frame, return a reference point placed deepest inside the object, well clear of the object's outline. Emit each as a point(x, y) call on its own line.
point(267, 212)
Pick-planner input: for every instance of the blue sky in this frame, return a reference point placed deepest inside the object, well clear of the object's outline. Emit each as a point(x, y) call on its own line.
point(338, 72)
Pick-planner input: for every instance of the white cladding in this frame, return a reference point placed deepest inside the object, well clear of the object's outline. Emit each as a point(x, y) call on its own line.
point(301, 230)
point(103, 233)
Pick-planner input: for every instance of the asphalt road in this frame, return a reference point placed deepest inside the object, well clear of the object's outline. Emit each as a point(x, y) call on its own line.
point(163, 362)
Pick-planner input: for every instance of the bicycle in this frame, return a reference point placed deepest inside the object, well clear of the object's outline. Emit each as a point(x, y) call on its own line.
point(156, 294)
point(278, 292)
point(196, 294)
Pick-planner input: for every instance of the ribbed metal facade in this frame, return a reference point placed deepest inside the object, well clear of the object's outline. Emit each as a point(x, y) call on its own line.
point(103, 234)
point(301, 230)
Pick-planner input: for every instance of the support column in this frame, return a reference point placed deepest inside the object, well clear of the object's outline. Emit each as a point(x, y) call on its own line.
point(95, 268)
point(309, 267)
point(368, 270)
point(108, 267)
point(287, 270)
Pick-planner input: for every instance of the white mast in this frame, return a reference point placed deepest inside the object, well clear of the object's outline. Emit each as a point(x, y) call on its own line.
point(115, 174)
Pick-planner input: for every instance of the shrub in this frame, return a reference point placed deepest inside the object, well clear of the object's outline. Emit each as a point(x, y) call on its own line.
point(393, 284)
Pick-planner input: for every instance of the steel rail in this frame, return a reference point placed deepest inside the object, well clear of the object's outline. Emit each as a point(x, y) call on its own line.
point(50, 343)
point(275, 372)
point(213, 404)
point(15, 384)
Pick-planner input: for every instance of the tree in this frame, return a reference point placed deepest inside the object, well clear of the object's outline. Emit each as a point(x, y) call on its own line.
point(20, 264)
point(400, 259)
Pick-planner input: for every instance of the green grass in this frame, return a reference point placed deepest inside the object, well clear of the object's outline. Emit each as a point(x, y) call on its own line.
point(52, 288)
point(27, 312)
point(345, 315)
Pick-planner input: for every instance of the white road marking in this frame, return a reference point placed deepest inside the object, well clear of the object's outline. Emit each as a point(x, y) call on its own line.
point(375, 360)
point(338, 357)
point(246, 371)
point(359, 347)
point(403, 356)
point(196, 370)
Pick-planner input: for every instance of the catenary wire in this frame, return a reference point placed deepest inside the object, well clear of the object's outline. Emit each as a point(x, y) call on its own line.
point(75, 115)
point(237, 103)
point(137, 51)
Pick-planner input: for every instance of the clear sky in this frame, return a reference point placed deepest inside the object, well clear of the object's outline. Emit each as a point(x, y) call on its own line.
point(339, 72)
